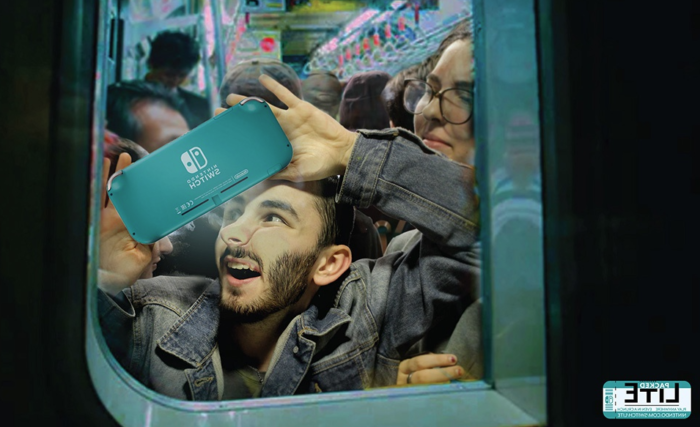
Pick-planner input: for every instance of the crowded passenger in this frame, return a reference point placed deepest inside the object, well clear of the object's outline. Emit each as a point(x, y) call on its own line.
point(323, 90)
point(290, 307)
point(145, 113)
point(442, 106)
point(171, 60)
point(361, 106)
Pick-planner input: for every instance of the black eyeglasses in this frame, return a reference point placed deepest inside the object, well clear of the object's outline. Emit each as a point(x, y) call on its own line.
point(456, 105)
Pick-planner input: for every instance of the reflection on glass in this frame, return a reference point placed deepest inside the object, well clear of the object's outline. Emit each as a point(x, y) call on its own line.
point(508, 115)
point(282, 290)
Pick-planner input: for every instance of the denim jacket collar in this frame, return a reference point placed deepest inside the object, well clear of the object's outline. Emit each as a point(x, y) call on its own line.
point(306, 336)
point(193, 338)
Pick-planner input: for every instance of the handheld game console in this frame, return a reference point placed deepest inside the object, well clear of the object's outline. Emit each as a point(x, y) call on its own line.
point(202, 169)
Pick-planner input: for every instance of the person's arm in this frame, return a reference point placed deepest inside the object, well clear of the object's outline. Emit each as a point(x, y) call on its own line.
point(393, 171)
point(438, 277)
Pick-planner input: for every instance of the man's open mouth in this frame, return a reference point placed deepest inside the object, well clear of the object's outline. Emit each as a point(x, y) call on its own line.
point(241, 271)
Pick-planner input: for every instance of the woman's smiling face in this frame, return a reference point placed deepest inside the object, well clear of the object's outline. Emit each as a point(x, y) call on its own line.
point(453, 70)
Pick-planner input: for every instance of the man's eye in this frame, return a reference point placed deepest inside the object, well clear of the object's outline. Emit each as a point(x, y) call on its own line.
point(274, 218)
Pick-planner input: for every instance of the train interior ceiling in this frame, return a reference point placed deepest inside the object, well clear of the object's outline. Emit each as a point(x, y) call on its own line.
point(339, 36)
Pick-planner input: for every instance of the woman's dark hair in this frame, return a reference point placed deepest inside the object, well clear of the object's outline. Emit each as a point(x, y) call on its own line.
point(394, 105)
point(461, 31)
point(174, 50)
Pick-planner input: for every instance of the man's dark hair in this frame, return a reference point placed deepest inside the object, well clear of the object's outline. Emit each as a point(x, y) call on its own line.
point(337, 219)
point(174, 50)
point(123, 96)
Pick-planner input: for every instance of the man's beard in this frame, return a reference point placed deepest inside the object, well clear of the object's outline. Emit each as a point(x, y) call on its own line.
point(287, 282)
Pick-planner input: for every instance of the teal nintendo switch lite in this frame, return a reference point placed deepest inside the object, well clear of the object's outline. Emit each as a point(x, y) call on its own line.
point(202, 169)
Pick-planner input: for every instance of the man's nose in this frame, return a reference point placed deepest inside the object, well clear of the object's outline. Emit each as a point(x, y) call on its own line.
point(236, 234)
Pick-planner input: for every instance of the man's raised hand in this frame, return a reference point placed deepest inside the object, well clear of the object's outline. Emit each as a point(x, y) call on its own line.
point(322, 146)
point(123, 257)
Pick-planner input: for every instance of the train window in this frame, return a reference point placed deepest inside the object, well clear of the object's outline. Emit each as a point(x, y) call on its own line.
point(267, 310)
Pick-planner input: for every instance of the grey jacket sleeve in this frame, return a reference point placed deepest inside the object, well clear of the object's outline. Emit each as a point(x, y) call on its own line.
point(412, 290)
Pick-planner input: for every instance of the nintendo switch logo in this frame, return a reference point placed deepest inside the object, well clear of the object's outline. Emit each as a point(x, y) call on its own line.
point(193, 159)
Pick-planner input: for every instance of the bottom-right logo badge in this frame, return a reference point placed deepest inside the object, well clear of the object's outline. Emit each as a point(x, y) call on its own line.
point(646, 399)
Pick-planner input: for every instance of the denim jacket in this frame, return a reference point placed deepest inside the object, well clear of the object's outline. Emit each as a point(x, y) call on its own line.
point(164, 330)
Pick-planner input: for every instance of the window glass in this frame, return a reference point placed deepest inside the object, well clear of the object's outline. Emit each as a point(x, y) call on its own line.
point(508, 120)
point(410, 266)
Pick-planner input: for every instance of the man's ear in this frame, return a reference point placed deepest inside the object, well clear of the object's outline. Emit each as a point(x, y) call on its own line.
point(332, 263)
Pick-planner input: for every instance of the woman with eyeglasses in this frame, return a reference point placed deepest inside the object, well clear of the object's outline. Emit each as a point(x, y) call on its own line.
point(442, 108)
point(442, 103)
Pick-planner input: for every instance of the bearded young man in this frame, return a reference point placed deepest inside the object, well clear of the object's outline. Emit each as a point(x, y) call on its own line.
point(291, 313)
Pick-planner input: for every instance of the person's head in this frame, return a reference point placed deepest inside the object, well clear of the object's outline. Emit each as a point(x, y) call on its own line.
point(323, 90)
point(446, 125)
point(361, 106)
point(172, 57)
point(114, 146)
point(242, 79)
point(393, 95)
point(279, 243)
point(145, 113)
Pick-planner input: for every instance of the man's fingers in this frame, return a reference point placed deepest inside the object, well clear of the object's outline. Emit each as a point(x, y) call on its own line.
point(290, 173)
point(123, 161)
point(437, 375)
point(281, 92)
point(233, 99)
point(427, 361)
